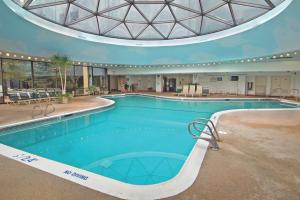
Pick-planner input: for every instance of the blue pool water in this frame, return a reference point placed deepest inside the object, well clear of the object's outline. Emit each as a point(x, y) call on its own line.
point(141, 140)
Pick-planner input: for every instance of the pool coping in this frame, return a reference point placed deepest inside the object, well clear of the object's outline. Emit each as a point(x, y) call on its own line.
point(182, 181)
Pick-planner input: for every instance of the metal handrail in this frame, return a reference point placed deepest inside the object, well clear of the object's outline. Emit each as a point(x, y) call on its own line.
point(46, 108)
point(212, 140)
point(34, 108)
point(212, 124)
point(41, 111)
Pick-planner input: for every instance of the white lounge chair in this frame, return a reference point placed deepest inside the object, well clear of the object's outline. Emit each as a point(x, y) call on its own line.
point(185, 91)
point(192, 90)
point(198, 91)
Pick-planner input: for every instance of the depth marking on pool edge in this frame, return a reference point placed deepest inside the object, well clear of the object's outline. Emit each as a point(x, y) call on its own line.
point(25, 158)
point(75, 174)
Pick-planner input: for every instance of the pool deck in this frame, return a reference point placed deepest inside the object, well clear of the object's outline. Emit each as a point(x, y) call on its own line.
point(18, 113)
point(259, 159)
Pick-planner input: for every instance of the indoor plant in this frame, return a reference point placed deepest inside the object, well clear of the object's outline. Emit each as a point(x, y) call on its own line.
point(63, 65)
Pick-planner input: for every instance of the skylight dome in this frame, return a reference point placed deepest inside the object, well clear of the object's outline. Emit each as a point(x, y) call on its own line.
point(149, 19)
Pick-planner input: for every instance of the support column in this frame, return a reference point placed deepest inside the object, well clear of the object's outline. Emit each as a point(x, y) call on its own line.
point(85, 71)
point(159, 83)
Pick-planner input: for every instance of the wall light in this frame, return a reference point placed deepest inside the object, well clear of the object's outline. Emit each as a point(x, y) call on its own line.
point(29, 57)
point(7, 54)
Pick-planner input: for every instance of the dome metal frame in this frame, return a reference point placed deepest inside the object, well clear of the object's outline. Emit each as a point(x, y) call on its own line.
point(149, 19)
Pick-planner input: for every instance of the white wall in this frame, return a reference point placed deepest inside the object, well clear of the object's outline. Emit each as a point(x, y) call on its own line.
point(143, 81)
point(278, 66)
point(159, 83)
point(222, 86)
point(210, 81)
point(181, 79)
point(240, 87)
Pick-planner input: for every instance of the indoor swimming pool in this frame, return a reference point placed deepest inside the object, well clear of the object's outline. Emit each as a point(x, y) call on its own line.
point(140, 140)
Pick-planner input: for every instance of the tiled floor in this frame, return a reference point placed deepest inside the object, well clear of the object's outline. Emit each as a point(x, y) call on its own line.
point(16, 113)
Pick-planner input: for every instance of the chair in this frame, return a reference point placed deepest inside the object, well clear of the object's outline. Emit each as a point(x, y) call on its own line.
point(24, 98)
point(198, 91)
point(43, 96)
point(192, 90)
point(52, 94)
point(185, 91)
point(13, 98)
point(34, 96)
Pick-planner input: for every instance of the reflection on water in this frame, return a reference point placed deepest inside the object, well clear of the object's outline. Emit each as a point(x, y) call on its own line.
point(141, 140)
point(139, 167)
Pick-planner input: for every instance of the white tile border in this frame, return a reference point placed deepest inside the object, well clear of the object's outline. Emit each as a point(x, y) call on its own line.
point(108, 104)
point(183, 180)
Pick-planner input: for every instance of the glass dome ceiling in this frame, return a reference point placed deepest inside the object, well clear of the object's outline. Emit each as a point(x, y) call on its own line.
point(149, 19)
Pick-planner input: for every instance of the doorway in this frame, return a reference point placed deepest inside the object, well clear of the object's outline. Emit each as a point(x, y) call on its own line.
point(260, 85)
point(172, 85)
point(280, 85)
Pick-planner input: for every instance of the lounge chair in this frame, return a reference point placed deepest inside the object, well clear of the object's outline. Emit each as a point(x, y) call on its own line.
point(198, 91)
point(34, 96)
point(43, 96)
point(185, 91)
point(52, 94)
point(192, 90)
point(24, 98)
point(13, 98)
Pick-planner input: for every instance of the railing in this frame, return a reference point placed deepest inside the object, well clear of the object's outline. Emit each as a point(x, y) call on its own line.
point(212, 133)
point(44, 112)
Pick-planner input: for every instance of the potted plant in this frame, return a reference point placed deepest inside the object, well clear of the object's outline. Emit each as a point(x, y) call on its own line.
point(63, 65)
point(92, 90)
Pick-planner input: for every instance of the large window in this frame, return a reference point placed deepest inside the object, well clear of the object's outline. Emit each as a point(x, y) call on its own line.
point(99, 78)
point(16, 74)
point(45, 76)
point(22, 75)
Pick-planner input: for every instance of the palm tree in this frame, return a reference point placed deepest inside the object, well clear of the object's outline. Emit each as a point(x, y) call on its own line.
point(63, 64)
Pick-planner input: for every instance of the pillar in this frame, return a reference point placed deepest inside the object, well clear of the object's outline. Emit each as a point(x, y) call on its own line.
point(159, 83)
point(85, 71)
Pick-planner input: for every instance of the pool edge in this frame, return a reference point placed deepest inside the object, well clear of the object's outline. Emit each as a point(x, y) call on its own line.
point(182, 181)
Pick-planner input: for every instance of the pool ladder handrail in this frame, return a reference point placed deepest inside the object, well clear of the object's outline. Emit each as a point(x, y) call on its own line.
point(212, 132)
point(214, 129)
point(45, 113)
